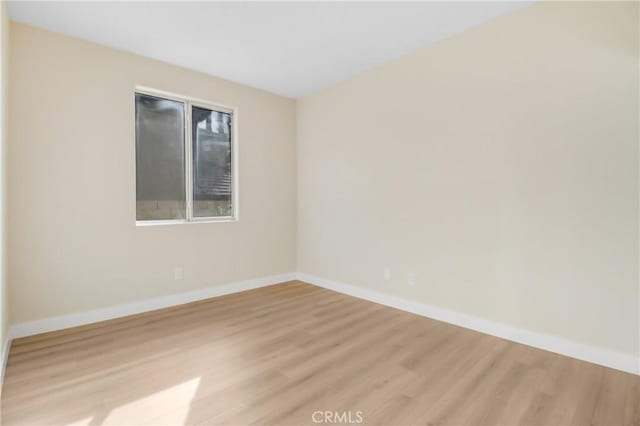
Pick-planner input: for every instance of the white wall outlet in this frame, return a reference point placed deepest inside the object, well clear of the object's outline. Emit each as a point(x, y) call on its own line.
point(387, 274)
point(411, 279)
point(178, 273)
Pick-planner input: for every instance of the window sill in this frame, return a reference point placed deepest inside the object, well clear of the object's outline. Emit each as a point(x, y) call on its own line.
point(143, 223)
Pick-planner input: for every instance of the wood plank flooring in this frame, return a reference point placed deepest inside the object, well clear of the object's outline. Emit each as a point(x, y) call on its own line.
point(278, 354)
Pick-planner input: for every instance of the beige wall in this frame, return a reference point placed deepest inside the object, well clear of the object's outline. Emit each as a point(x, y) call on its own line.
point(500, 165)
point(73, 241)
point(4, 86)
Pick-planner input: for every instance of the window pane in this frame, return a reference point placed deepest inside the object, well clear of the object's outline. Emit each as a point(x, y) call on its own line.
point(212, 180)
point(160, 181)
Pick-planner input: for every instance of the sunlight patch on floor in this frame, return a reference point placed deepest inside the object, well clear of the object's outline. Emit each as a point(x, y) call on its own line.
point(144, 410)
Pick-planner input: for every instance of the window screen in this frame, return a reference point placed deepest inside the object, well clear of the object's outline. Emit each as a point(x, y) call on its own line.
point(160, 165)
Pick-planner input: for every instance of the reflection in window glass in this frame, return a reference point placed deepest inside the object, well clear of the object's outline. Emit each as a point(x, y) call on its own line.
point(212, 180)
point(160, 163)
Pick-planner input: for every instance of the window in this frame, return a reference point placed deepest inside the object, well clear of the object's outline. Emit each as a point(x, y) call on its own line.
point(185, 168)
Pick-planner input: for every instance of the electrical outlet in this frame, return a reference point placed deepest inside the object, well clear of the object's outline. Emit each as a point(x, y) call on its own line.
point(411, 278)
point(387, 274)
point(178, 273)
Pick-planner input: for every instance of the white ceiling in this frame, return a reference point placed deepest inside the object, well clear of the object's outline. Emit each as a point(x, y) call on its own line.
point(289, 48)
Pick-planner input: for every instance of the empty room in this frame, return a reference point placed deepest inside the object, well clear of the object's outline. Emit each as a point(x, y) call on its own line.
point(320, 213)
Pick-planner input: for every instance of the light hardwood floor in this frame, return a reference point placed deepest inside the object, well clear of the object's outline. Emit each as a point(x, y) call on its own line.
point(278, 354)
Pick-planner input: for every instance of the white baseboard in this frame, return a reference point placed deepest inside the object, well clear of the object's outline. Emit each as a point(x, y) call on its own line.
point(82, 318)
point(596, 355)
point(6, 347)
